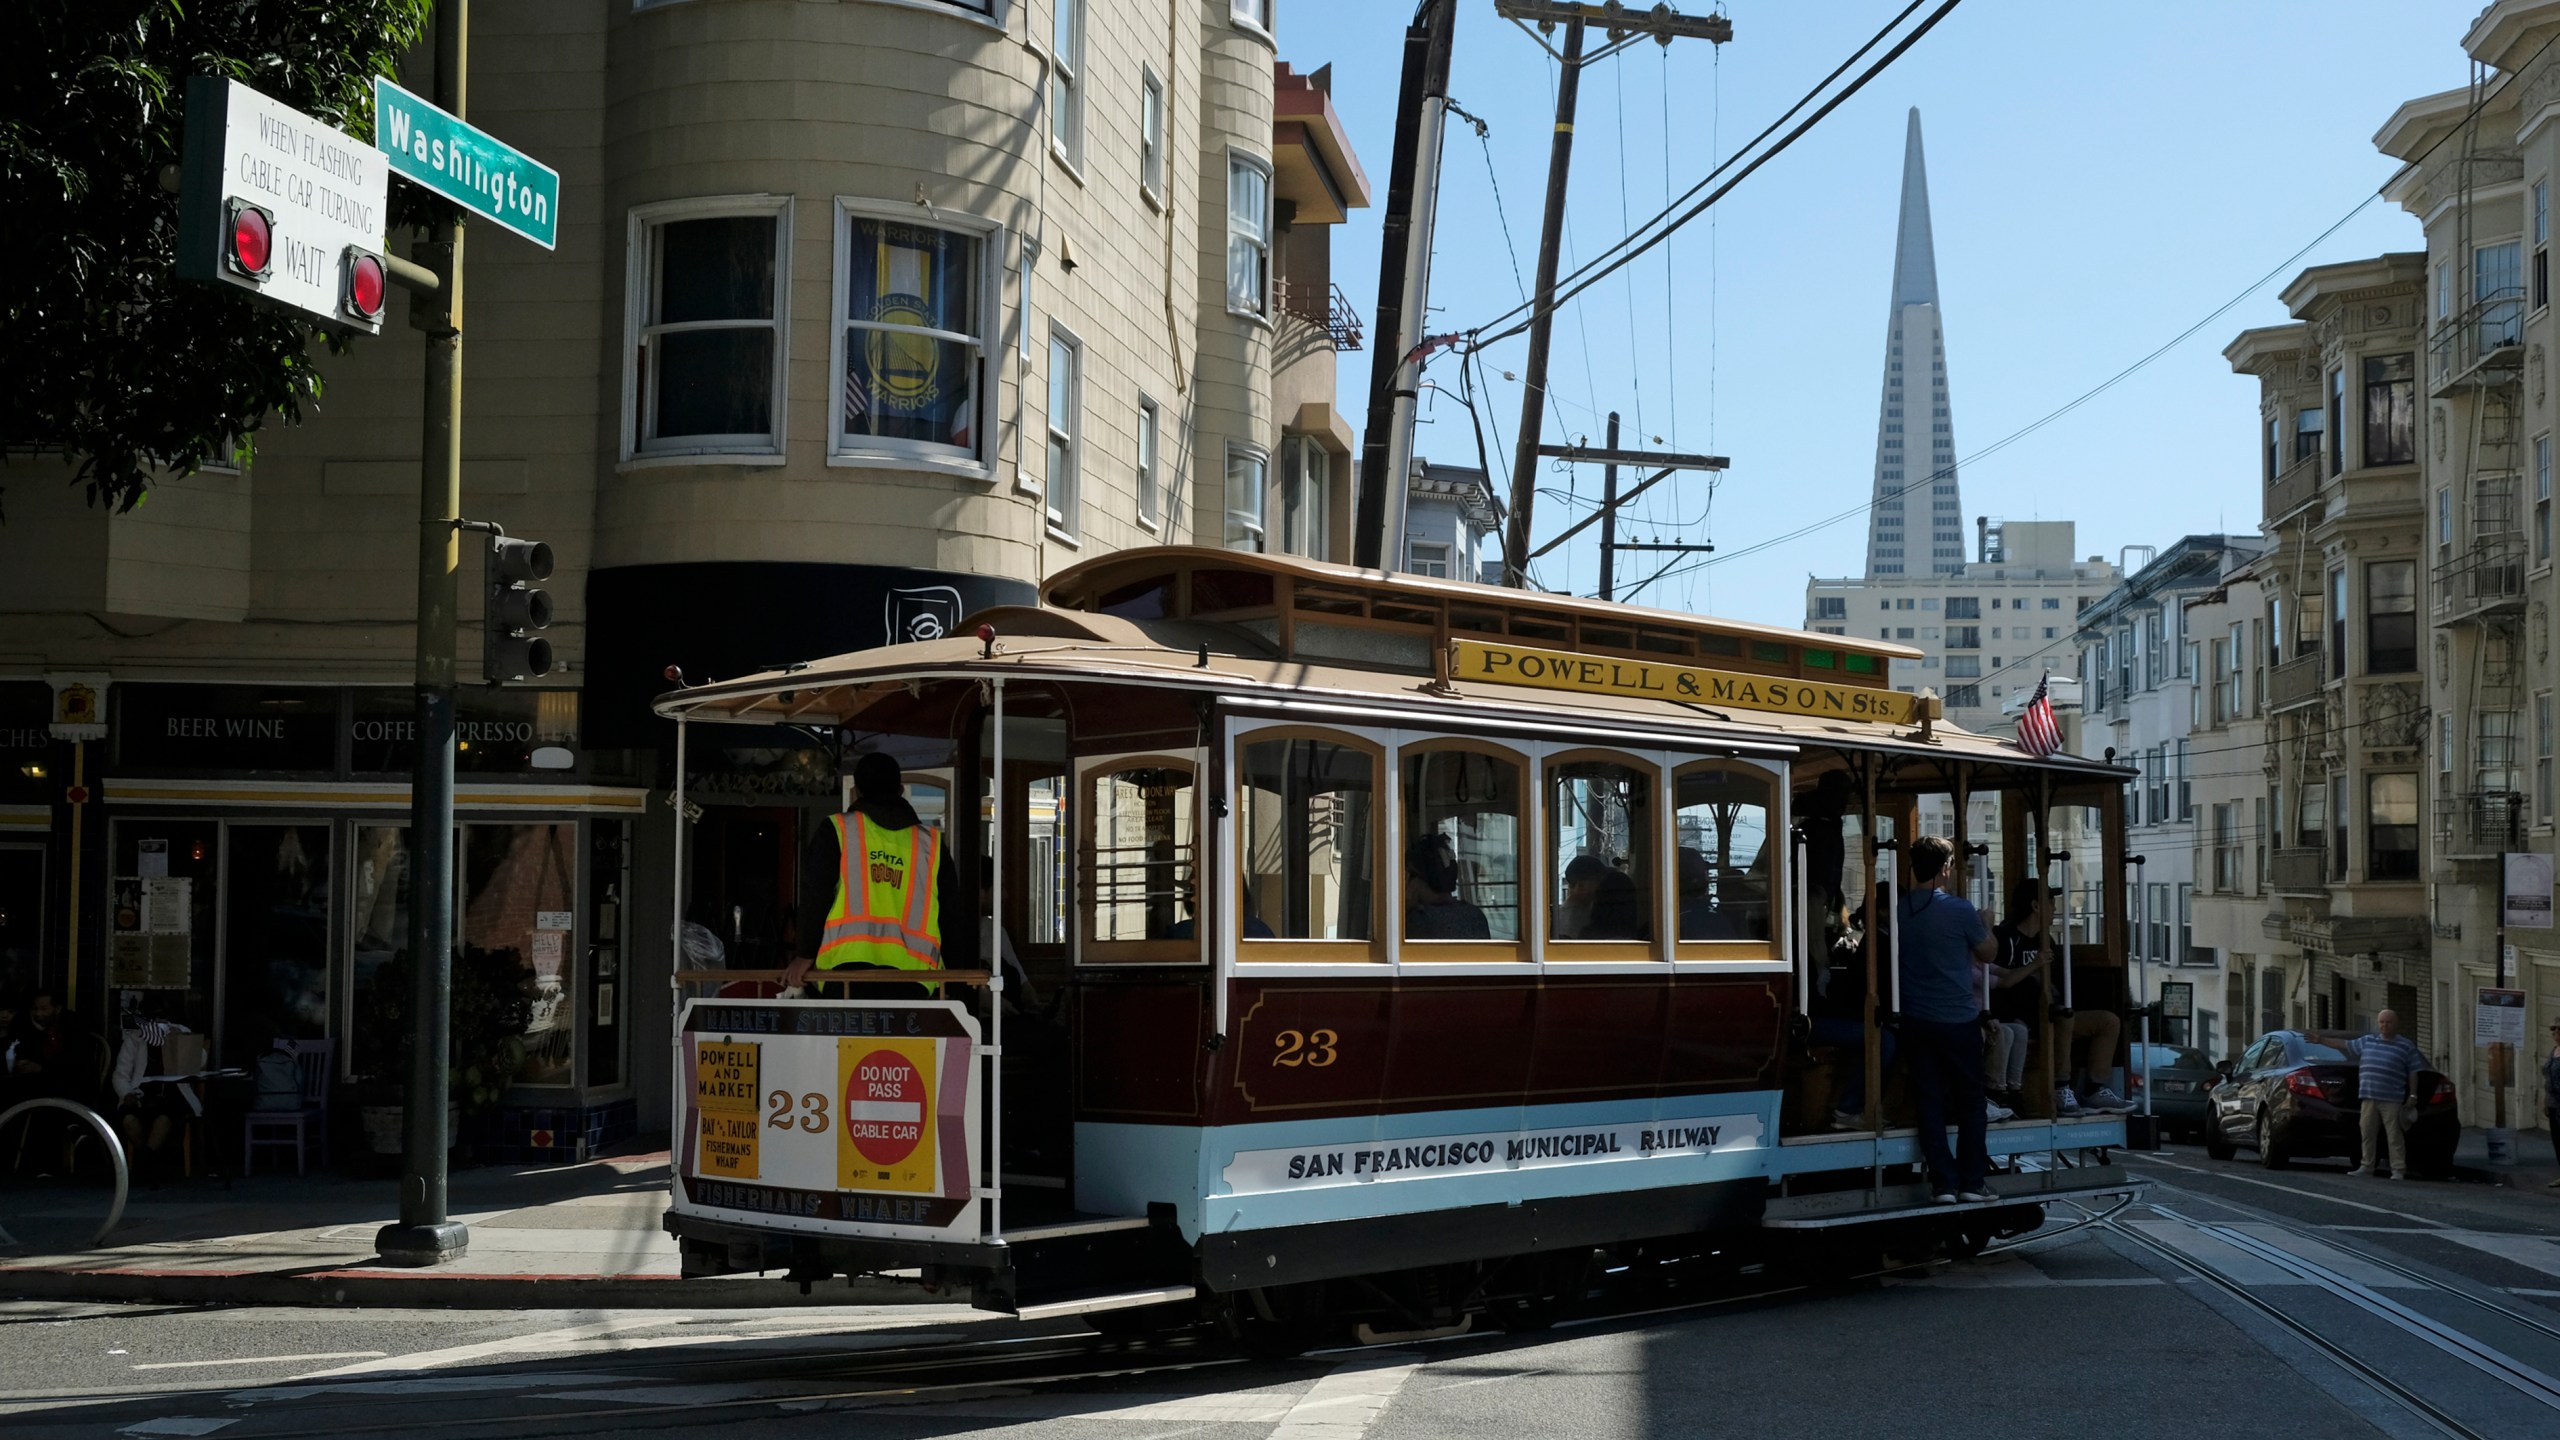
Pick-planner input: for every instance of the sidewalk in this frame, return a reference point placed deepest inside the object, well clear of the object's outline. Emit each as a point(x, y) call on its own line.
point(2534, 1168)
point(584, 1235)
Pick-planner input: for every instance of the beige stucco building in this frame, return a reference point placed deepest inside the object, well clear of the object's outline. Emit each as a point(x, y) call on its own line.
point(864, 314)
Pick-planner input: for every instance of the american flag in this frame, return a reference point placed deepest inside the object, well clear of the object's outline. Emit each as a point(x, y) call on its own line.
point(2039, 734)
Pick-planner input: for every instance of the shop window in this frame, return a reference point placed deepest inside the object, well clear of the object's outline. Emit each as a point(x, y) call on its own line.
point(707, 320)
point(1601, 848)
point(608, 882)
point(1464, 847)
point(519, 887)
point(160, 923)
point(1140, 843)
point(1307, 826)
point(911, 347)
point(1726, 871)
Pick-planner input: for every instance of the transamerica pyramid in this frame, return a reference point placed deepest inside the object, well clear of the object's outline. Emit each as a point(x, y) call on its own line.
point(1917, 525)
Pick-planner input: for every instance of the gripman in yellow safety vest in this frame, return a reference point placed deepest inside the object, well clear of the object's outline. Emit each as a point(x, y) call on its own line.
point(875, 861)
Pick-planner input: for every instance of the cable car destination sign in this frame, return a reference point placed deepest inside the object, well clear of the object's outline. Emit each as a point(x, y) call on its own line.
point(848, 1118)
point(1654, 680)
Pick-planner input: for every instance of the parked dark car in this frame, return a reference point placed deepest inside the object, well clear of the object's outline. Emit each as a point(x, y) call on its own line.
point(2290, 1096)
point(2182, 1079)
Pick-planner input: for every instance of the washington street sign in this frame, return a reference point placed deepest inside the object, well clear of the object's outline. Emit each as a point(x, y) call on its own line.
point(466, 165)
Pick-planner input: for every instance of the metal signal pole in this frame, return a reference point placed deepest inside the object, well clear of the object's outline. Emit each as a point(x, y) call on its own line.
point(424, 1234)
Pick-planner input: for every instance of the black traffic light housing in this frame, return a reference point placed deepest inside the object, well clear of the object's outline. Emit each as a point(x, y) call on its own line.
point(510, 649)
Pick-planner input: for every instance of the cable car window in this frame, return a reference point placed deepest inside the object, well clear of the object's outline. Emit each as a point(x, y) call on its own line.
point(1601, 831)
point(1726, 869)
point(1139, 847)
point(1463, 844)
point(1307, 824)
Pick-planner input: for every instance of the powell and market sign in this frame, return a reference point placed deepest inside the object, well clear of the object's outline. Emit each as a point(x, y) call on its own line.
point(1648, 679)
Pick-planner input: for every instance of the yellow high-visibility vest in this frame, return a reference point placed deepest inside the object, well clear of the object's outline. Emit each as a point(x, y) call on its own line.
point(888, 911)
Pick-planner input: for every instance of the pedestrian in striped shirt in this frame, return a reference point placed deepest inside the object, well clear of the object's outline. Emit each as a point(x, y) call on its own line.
point(2385, 1061)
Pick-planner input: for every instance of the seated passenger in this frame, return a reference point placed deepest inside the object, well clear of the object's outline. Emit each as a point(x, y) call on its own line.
point(1601, 902)
point(1188, 925)
point(1432, 909)
point(1699, 918)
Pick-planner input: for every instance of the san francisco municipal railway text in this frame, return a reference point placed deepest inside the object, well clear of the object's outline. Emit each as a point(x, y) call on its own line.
point(1460, 1154)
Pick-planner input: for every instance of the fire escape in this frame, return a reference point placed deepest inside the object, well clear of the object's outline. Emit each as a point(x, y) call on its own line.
point(2475, 361)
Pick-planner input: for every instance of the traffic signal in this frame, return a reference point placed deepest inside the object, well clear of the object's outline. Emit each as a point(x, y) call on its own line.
point(363, 285)
point(248, 239)
point(510, 650)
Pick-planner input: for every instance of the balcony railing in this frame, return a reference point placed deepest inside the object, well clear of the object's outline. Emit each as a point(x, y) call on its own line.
point(1326, 308)
point(2295, 682)
point(2488, 336)
point(2478, 822)
point(2298, 486)
point(2299, 870)
point(2487, 574)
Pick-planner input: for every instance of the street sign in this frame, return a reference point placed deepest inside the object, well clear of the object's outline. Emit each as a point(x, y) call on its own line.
point(280, 206)
point(2177, 1000)
point(466, 165)
point(2499, 1017)
point(2528, 890)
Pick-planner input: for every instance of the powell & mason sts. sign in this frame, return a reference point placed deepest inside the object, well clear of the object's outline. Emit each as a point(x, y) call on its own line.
point(1650, 679)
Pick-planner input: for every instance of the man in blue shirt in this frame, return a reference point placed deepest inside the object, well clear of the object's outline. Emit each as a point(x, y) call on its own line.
point(2385, 1061)
point(1939, 937)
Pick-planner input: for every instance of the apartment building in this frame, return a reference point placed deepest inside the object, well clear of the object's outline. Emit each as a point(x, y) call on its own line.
point(1449, 510)
point(2231, 813)
point(1991, 629)
point(2147, 684)
point(2479, 164)
point(2345, 723)
point(864, 315)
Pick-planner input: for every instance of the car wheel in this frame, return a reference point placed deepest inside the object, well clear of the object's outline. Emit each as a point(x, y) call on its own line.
point(2216, 1143)
point(2270, 1154)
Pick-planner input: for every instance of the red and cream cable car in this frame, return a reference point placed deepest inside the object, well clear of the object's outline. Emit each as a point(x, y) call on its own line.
point(1409, 942)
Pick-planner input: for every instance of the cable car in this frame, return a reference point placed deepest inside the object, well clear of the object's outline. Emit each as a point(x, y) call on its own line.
point(1398, 949)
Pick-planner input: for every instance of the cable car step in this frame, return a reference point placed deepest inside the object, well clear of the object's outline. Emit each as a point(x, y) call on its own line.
point(1903, 1202)
point(1125, 1300)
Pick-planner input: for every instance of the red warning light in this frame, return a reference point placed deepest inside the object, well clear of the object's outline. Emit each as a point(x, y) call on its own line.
point(250, 248)
point(365, 285)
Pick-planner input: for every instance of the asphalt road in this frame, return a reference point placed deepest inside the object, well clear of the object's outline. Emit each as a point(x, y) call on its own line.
point(2230, 1300)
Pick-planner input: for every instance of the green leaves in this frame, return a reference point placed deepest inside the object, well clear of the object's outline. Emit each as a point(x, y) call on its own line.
point(130, 375)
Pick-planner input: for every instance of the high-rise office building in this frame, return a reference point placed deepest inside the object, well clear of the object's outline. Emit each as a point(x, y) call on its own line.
point(1917, 524)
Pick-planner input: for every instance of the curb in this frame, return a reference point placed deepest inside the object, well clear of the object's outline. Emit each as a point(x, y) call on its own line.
point(428, 1290)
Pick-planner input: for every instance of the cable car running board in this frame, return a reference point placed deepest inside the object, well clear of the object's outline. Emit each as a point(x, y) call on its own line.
point(1903, 1202)
point(1094, 1304)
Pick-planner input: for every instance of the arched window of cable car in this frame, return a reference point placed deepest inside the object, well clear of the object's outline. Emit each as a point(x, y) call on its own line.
point(1601, 819)
point(1140, 814)
point(1307, 839)
point(1463, 851)
point(1727, 868)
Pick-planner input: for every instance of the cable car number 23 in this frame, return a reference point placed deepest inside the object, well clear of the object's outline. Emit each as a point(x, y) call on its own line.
point(1313, 1049)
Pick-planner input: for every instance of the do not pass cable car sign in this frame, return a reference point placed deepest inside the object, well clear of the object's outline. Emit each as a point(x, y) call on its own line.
point(853, 1118)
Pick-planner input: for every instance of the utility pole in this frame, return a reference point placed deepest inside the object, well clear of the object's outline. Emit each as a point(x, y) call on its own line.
point(1609, 519)
point(424, 1235)
point(1622, 26)
point(1404, 283)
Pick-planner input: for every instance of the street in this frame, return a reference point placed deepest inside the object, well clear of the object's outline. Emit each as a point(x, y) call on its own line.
point(2228, 1296)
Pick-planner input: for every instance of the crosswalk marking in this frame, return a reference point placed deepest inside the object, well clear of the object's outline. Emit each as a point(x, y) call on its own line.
point(1344, 1404)
point(2526, 1250)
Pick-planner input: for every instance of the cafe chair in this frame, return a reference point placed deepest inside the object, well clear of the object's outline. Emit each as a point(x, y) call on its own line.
point(297, 1128)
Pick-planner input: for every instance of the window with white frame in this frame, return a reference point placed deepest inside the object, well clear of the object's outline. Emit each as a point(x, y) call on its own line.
point(1306, 479)
point(705, 290)
point(1429, 559)
point(1248, 235)
point(1066, 426)
point(1248, 475)
point(1151, 130)
point(1255, 13)
point(913, 337)
point(2542, 499)
point(1066, 79)
point(1150, 423)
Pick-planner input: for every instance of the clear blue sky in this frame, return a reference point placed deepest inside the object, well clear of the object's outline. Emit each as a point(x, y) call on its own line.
point(2101, 177)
